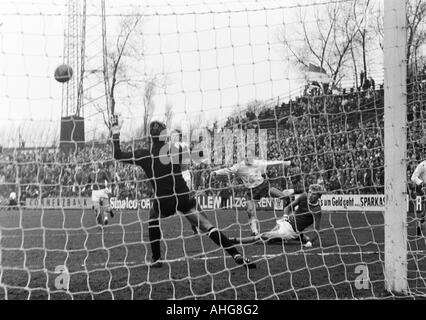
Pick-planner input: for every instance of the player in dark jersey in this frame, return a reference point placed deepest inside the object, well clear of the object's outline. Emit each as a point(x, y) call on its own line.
point(98, 181)
point(171, 193)
point(300, 214)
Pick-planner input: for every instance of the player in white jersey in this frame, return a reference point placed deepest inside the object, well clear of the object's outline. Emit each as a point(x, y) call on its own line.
point(98, 181)
point(419, 178)
point(251, 172)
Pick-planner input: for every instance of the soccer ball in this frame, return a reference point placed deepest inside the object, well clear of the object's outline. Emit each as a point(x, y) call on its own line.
point(63, 73)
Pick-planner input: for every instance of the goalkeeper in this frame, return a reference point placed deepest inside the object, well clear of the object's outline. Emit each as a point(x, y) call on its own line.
point(419, 178)
point(170, 189)
point(302, 213)
point(251, 172)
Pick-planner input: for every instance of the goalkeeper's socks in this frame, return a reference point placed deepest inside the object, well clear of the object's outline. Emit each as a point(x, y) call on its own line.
point(154, 238)
point(221, 240)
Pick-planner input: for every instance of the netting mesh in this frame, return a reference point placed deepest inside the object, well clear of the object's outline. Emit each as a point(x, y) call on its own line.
point(283, 78)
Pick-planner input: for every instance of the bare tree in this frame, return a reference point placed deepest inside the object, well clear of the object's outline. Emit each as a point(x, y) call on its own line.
point(127, 46)
point(366, 37)
point(195, 127)
point(325, 43)
point(116, 54)
point(416, 33)
point(168, 115)
point(118, 69)
point(150, 90)
point(149, 106)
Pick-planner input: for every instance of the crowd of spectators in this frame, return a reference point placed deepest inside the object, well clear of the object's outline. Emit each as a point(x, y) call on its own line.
point(337, 140)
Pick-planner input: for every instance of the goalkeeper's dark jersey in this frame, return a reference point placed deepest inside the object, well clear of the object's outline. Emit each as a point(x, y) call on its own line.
point(304, 214)
point(165, 175)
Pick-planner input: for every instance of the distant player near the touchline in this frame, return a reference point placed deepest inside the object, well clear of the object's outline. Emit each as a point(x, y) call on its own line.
point(419, 178)
point(303, 212)
point(98, 181)
point(251, 172)
point(171, 193)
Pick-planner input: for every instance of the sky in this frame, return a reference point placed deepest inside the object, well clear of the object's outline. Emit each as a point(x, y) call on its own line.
point(215, 56)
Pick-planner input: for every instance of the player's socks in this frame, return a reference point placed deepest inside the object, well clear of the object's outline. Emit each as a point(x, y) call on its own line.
point(221, 240)
point(239, 259)
point(254, 226)
point(99, 218)
point(421, 228)
point(154, 238)
point(194, 229)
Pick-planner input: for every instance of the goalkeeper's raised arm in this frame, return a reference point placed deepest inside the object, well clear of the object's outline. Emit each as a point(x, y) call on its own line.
point(135, 157)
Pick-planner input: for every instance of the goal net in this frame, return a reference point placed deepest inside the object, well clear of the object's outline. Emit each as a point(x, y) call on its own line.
point(302, 81)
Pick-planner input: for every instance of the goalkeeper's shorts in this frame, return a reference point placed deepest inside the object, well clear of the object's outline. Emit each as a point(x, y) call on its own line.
point(168, 206)
point(98, 195)
point(261, 191)
point(283, 230)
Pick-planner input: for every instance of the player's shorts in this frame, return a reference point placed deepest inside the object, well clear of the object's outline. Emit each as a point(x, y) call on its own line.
point(168, 206)
point(98, 195)
point(283, 230)
point(188, 179)
point(261, 191)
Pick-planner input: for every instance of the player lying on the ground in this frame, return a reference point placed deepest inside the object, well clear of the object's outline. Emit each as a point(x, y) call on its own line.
point(419, 178)
point(303, 212)
point(251, 172)
point(98, 181)
point(171, 194)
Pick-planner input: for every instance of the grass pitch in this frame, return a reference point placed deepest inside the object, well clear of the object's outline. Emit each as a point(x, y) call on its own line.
point(111, 263)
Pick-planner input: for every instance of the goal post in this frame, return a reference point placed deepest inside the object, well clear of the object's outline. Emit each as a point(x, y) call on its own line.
point(395, 148)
